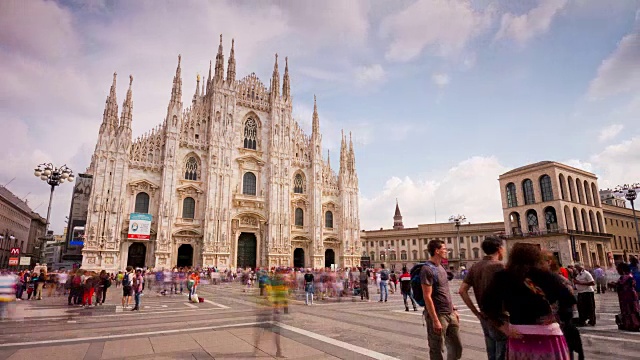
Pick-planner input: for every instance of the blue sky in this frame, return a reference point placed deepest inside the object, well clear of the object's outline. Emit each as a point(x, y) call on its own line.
point(442, 96)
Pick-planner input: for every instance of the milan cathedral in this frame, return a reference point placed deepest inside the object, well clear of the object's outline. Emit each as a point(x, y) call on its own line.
point(230, 181)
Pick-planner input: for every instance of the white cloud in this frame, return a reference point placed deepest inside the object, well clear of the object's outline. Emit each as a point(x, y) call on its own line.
point(522, 28)
point(444, 25)
point(618, 163)
point(579, 164)
point(440, 79)
point(610, 132)
point(372, 74)
point(620, 72)
point(470, 188)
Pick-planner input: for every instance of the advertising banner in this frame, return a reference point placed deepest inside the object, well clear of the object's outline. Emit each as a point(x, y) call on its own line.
point(13, 261)
point(25, 260)
point(139, 226)
point(15, 251)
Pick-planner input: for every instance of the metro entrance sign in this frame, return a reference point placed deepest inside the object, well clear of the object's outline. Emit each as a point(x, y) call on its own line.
point(15, 252)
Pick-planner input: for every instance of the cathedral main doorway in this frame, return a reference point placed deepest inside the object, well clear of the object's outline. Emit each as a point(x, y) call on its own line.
point(247, 248)
point(185, 255)
point(329, 258)
point(137, 254)
point(298, 258)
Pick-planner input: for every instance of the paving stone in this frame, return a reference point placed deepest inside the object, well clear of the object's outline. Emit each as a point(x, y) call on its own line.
point(60, 352)
point(173, 343)
point(127, 348)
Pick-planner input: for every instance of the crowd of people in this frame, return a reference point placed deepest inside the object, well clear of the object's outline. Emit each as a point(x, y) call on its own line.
point(526, 307)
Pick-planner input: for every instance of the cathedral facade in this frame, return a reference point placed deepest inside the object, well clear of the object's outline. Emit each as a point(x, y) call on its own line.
point(230, 181)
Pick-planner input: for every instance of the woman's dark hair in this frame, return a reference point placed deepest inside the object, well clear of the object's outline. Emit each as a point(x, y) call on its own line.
point(522, 258)
point(623, 268)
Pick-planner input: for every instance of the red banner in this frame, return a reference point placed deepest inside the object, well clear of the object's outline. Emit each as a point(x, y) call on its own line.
point(15, 251)
point(139, 236)
point(13, 261)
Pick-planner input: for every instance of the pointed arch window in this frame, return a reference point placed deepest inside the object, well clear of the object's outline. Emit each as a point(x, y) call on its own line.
point(527, 188)
point(512, 200)
point(250, 134)
point(298, 184)
point(142, 203)
point(191, 169)
point(328, 220)
point(299, 218)
point(249, 183)
point(188, 208)
point(546, 188)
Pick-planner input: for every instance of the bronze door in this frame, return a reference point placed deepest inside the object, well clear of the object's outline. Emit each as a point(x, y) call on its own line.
point(247, 247)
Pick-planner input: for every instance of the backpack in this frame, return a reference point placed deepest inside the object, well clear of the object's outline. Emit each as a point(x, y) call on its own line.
point(107, 283)
point(363, 276)
point(126, 281)
point(384, 275)
point(416, 285)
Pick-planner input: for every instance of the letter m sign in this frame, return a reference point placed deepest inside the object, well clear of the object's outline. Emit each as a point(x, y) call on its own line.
point(15, 251)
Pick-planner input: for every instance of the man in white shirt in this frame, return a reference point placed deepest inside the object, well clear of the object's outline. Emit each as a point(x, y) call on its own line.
point(586, 301)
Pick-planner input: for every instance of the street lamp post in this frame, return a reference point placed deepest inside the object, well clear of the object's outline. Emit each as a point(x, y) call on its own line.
point(457, 220)
point(631, 193)
point(53, 176)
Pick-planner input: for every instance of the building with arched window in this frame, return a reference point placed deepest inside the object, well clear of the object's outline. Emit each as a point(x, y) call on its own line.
point(229, 179)
point(411, 242)
point(558, 210)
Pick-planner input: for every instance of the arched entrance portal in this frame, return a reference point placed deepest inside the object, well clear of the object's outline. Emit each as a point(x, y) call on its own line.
point(298, 258)
point(185, 255)
point(247, 247)
point(137, 254)
point(329, 258)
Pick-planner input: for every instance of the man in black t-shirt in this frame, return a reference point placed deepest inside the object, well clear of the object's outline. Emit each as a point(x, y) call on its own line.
point(308, 287)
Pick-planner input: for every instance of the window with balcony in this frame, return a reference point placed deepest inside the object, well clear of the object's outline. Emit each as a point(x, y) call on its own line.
point(142, 203)
point(249, 184)
point(403, 255)
point(188, 208)
point(299, 217)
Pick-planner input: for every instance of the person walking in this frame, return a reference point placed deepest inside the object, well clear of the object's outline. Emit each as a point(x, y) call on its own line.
point(308, 287)
point(127, 287)
point(601, 279)
point(629, 318)
point(364, 284)
point(478, 279)
point(586, 299)
point(384, 283)
point(138, 282)
point(526, 290)
point(441, 317)
point(405, 289)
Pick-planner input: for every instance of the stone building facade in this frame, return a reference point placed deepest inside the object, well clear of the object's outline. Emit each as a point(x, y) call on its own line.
point(19, 227)
point(400, 246)
point(620, 223)
point(557, 207)
point(231, 181)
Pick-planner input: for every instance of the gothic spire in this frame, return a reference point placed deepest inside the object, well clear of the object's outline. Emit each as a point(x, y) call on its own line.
point(197, 85)
point(127, 108)
point(209, 78)
point(328, 159)
point(110, 114)
point(316, 120)
point(397, 218)
point(176, 91)
point(219, 72)
point(343, 152)
point(275, 80)
point(286, 86)
point(231, 67)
